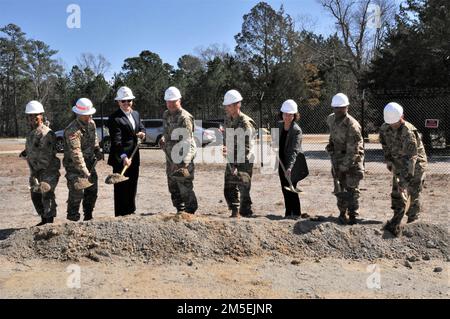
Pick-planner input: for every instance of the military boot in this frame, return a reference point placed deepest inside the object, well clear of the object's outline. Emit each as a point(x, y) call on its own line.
point(343, 218)
point(87, 216)
point(412, 218)
point(394, 228)
point(352, 219)
point(235, 213)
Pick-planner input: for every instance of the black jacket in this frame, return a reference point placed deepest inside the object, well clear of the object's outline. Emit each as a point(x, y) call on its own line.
point(123, 137)
point(294, 159)
point(293, 144)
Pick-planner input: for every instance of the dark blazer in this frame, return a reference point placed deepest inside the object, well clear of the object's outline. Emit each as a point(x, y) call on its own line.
point(293, 155)
point(123, 137)
point(293, 144)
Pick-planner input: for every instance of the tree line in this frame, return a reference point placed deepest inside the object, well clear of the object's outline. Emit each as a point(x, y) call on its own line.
point(274, 59)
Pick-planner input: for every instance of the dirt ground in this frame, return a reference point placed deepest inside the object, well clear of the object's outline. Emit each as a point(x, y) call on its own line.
point(264, 273)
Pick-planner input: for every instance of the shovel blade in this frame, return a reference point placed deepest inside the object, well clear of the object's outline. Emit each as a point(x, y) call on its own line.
point(44, 187)
point(82, 183)
point(292, 189)
point(115, 178)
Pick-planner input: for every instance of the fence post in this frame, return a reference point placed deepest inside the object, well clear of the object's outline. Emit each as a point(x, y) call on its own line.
point(363, 116)
point(260, 128)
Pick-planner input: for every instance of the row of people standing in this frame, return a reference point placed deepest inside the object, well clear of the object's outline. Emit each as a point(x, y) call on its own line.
point(404, 154)
point(401, 143)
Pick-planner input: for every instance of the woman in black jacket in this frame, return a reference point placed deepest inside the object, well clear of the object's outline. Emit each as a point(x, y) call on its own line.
point(290, 145)
point(125, 128)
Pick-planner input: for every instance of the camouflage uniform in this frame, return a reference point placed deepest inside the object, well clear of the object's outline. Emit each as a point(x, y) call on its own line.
point(346, 148)
point(80, 147)
point(44, 165)
point(405, 153)
point(234, 185)
point(181, 188)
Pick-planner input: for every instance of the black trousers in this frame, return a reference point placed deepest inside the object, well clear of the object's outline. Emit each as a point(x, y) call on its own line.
point(291, 200)
point(125, 192)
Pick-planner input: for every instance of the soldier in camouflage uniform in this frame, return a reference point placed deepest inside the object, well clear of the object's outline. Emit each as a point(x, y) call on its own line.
point(239, 134)
point(179, 146)
point(405, 157)
point(81, 148)
point(40, 153)
point(346, 149)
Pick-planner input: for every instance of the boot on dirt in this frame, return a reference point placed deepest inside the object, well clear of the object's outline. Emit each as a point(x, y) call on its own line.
point(87, 216)
point(246, 213)
point(412, 218)
point(343, 218)
point(235, 213)
point(43, 222)
point(393, 227)
point(352, 220)
point(50, 220)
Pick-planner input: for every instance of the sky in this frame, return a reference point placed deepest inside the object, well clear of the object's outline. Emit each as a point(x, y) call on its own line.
point(122, 29)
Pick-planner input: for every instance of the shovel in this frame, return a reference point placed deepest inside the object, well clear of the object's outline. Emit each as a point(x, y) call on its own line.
point(41, 187)
point(406, 197)
point(243, 178)
point(116, 178)
point(83, 183)
point(291, 187)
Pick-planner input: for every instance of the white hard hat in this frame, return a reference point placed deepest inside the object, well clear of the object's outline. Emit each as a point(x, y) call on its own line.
point(340, 100)
point(124, 93)
point(392, 112)
point(34, 107)
point(172, 94)
point(231, 97)
point(84, 106)
point(289, 106)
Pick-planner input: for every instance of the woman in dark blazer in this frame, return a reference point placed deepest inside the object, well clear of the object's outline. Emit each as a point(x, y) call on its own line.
point(290, 145)
point(125, 127)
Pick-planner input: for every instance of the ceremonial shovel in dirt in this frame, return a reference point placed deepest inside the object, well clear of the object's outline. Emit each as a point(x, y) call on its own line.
point(118, 178)
point(291, 187)
point(41, 187)
point(83, 183)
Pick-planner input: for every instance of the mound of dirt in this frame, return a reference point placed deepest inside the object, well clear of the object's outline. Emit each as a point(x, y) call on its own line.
point(167, 238)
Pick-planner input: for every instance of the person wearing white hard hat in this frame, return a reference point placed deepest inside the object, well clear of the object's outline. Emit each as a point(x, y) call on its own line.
point(346, 149)
point(239, 132)
point(405, 157)
point(40, 153)
point(126, 131)
point(289, 152)
point(81, 152)
point(179, 146)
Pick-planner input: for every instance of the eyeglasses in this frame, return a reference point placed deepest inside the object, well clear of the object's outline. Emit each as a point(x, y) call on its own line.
point(126, 101)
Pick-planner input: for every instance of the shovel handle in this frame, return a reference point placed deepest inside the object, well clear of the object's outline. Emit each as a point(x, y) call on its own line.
point(124, 169)
point(131, 157)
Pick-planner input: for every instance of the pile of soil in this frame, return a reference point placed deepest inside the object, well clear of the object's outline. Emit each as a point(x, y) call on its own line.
point(167, 238)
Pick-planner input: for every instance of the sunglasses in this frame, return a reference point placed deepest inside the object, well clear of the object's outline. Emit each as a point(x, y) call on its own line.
point(126, 101)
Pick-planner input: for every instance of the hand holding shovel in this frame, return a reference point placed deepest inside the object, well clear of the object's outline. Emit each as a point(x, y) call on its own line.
point(118, 178)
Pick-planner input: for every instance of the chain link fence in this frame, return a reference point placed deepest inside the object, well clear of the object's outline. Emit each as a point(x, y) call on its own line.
point(428, 110)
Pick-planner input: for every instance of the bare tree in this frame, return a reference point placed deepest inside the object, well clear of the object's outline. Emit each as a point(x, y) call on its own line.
point(360, 30)
point(211, 52)
point(97, 64)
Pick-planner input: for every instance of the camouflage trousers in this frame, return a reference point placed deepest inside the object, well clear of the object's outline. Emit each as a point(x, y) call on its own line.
point(182, 189)
point(88, 195)
point(237, 188)
point(398, 202)
point(348, 197)
point(45, 204)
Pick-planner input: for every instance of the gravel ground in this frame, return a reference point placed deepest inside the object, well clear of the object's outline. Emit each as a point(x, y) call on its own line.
point(156, 254)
